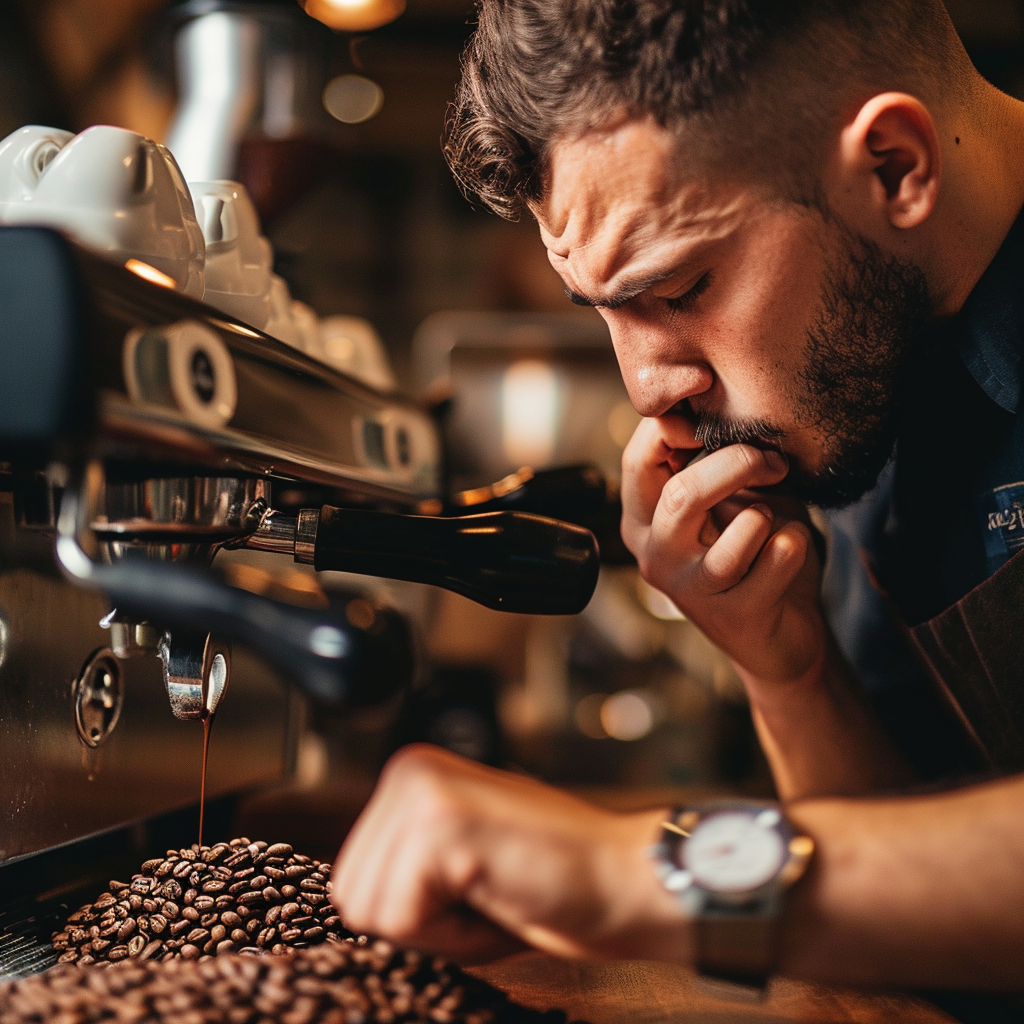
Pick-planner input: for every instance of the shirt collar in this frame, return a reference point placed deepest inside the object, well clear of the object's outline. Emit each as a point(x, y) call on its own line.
point(993, 317)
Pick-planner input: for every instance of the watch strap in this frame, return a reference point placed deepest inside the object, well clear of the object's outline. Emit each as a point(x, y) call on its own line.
point(737, 948)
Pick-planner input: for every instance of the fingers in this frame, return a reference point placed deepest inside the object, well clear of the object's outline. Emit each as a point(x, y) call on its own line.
point(779, 564)
point(695, 491)
point(657, 451)
point(733, 553)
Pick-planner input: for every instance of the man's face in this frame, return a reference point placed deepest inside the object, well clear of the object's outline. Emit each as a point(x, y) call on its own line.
point(759, 321)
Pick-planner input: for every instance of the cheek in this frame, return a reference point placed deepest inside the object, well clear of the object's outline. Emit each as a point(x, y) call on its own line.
point(771, 311)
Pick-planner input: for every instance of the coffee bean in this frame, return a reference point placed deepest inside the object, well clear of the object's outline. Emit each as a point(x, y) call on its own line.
point(189, 952)
point(118, 953)
point(220, 905)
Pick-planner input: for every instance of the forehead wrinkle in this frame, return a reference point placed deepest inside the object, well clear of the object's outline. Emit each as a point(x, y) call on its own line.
point(646, 247)
point(621, 205)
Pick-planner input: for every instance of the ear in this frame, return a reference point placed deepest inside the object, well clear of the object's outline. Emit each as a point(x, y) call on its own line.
point(891, 159)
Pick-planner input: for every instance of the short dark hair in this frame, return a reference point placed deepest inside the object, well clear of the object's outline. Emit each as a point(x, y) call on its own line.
point(749, 73)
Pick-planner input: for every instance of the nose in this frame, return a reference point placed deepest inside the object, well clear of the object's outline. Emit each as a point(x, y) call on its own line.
point(658, 366)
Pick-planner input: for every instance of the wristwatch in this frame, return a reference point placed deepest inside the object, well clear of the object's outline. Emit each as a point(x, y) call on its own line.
point(730, 864)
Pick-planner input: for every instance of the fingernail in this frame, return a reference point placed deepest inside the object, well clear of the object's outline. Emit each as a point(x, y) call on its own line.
point(776, 460)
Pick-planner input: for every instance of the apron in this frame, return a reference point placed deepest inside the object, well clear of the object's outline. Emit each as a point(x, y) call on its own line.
point(976, 655)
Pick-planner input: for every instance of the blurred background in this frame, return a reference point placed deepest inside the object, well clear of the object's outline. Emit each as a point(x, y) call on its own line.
point(339, 148)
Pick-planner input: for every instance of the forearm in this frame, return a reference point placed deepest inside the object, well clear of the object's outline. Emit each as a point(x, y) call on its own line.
point(820, 736)
point(915, 892)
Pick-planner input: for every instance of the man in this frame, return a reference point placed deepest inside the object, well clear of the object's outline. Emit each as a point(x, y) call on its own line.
point(798, 218)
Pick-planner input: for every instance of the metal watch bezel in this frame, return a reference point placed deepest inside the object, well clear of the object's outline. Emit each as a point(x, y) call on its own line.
point(695, 897)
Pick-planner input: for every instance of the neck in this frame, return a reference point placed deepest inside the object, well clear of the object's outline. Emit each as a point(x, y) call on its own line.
point(983, 193)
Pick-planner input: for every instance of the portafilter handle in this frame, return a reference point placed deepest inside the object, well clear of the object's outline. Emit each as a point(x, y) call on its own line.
point(510, 561)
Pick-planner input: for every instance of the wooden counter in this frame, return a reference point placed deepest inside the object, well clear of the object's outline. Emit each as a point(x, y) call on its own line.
point(644, 992)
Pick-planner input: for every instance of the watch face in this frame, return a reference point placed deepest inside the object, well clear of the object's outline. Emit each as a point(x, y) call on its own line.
point(733, 851)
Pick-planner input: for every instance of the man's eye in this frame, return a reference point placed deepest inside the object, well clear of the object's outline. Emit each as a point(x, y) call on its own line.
point(688, 298)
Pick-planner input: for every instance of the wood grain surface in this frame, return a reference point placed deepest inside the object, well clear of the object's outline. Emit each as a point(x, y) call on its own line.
point(645, 992)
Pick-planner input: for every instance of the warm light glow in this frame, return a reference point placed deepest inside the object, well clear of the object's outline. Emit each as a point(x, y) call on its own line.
point(352, 99)
point(354, 15)
point(627, 715)
point(530, 407)
point(151, 274)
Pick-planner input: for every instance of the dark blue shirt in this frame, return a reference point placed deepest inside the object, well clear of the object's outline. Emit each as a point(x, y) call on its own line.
point(948, 510)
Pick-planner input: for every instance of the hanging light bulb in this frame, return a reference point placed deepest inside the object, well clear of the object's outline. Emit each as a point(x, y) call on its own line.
point(354, 15)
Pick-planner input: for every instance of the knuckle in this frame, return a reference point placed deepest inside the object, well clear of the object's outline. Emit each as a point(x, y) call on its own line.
point(680, 496)
point(411, 762)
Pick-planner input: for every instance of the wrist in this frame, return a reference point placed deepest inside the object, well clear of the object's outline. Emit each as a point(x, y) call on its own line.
point(644, 920)
point(779, 696)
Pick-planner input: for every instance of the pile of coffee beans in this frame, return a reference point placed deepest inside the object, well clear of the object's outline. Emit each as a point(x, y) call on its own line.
point(205, 900)
point(335, 983)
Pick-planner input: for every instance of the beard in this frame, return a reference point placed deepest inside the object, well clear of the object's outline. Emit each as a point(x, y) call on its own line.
point(866, 333)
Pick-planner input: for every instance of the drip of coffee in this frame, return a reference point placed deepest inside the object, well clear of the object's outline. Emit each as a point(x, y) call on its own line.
point(207, 725)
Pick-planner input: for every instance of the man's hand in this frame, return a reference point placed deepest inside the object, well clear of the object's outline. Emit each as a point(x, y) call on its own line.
point(473, 863)
point(739, 564)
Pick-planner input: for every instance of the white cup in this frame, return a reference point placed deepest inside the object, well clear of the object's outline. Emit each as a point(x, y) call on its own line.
point(238, 257)
point(112, 190)
point(351, 345)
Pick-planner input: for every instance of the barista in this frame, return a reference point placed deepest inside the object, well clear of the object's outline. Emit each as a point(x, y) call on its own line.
point(800, 222)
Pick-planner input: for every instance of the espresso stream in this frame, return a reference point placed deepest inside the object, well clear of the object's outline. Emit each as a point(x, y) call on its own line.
point(207, 725)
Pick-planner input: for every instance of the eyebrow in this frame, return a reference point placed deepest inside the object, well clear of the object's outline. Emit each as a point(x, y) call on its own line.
point(625, 294)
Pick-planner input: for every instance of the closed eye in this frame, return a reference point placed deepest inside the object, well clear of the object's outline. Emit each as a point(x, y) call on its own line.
point(689, 298)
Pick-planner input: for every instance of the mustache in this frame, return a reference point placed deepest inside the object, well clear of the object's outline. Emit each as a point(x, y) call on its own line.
point(714, 431)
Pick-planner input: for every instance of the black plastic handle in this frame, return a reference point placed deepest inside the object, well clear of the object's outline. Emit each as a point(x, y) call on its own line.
point(574, 494)
point(511, 561)
point(336, 656)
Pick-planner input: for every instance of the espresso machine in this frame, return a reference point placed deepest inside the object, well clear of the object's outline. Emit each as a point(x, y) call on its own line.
point(176, 485)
